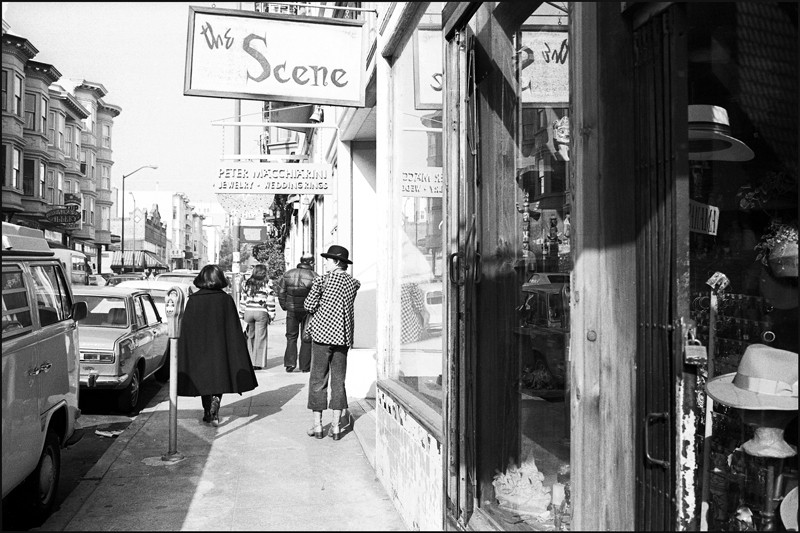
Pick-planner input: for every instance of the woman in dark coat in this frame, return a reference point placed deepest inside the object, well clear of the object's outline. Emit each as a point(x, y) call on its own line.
point(212, 350)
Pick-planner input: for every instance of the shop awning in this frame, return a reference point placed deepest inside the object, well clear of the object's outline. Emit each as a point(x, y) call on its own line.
point(136, 260)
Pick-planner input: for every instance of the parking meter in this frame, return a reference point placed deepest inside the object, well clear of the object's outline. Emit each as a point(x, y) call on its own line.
point(173, 305)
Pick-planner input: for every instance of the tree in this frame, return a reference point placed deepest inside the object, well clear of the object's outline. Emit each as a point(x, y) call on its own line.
point(226, 253)
point(271, 254)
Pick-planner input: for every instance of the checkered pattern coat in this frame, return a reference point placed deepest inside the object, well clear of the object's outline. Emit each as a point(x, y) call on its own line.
point(330, 303)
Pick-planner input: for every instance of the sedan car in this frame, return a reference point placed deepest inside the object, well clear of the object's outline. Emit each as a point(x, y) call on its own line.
point(432, 298)
point(180, 275)
point(123, 341)
point(158, 289)
point(115, 279)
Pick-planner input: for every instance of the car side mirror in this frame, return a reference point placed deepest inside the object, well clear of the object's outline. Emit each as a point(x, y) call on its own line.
point(79, 310)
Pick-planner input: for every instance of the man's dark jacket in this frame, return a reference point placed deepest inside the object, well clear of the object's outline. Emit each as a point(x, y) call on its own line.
point(212, 350)
point(293, 287)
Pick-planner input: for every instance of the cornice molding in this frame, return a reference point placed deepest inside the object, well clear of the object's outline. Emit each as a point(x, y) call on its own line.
point(45, 71)
point(111, 109)
point(96, 88)
point(21, 45)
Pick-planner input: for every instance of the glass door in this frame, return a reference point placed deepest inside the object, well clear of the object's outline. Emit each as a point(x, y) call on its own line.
point(510, 266)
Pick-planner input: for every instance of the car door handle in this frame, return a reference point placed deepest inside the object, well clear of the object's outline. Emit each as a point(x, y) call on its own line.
point(34, 372)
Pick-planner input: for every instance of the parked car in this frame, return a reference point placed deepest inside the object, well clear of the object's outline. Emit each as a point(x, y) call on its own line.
point(432, 298)
point(158, 289)
point(40, 367)
point(115, 279)
point(544, 326)
point(180, 274)
point(123, 341)
point(543, 278)
point(97, 279)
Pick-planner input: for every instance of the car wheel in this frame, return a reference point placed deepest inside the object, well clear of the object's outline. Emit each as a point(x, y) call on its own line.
point(162, 374)
point(128, 398)
point(39, 489)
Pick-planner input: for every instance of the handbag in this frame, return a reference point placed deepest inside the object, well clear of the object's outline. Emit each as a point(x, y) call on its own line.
point(305, 334)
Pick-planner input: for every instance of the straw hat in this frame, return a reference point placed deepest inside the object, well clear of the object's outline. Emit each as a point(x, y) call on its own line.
point(710, 136)
point(789, 510)
point(765, 379)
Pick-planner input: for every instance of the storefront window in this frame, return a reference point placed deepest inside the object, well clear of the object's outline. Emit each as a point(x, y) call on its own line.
point(418, 96)
point(743, 245)
point(522, 234)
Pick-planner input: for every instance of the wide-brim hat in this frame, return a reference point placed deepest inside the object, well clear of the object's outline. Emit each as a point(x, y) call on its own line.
point(710, 136)
point(766, 379)
point(789, 510)
point(338, 252)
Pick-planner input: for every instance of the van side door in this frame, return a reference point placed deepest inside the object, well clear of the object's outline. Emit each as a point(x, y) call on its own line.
point(22, 433)
point(57, 337)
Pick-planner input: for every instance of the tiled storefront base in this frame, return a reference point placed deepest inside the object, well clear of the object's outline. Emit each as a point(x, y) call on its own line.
point(409, 464)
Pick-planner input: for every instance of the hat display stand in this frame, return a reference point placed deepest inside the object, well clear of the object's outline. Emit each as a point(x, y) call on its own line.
point(768, 442)
point(745, 469)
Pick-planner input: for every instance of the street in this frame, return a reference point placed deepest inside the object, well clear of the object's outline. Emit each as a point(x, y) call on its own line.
point(97, 414)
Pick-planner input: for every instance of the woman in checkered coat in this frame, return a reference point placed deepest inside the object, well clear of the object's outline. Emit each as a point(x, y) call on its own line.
point(330, 303)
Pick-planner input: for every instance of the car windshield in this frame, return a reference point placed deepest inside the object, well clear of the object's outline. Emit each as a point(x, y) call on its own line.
point(104, 311)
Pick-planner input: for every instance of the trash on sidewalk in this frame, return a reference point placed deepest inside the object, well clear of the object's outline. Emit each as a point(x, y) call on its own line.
point(104, 433)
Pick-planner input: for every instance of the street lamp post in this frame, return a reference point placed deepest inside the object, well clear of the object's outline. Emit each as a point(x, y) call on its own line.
point(124, 177)
point(134, 231)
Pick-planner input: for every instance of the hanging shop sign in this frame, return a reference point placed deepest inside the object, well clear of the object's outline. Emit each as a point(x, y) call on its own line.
point(422, 182)
point(274, 178)
point(253, 234)
point(63, 215)
point(428, 73)
point(271, 56)
point(703, 218)
point(544, 68)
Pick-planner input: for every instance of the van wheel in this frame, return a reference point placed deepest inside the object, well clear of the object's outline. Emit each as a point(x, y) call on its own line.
point(128, 398)
point(162, 374)
point(39, 489)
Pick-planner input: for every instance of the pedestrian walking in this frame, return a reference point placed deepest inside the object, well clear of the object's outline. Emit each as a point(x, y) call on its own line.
point(292, 289)
point(330, 302)
point(258, 301)
point(212, 350)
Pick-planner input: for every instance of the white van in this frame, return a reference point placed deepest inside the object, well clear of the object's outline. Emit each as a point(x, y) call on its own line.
point(76, 264)
point(40, 367)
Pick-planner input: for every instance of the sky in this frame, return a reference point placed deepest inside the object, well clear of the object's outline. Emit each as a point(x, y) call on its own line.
point(137, 51)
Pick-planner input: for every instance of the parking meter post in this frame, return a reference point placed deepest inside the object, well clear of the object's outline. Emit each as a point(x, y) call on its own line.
point(174, 308)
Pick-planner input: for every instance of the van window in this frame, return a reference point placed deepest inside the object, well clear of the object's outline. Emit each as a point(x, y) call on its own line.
point(52, 298)
point(16, 310)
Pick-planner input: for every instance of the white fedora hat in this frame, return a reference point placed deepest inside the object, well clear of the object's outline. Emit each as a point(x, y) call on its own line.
point(710, 136)
point(765, 379)
point(789, 510)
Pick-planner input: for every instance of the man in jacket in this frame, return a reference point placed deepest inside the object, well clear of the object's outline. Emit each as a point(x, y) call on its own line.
point(292, 289)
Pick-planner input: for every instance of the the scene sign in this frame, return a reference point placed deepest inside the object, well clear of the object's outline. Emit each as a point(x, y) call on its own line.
point(274, 178)
point(270, 56)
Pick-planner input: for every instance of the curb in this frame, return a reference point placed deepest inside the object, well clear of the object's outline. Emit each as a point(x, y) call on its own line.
point(71, 506)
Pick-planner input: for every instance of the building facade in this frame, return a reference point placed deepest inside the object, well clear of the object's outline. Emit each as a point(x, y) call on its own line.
point(576, 193)
point(56, 151)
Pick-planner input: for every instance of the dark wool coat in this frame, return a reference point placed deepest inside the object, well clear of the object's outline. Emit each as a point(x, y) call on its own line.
point(212, 348)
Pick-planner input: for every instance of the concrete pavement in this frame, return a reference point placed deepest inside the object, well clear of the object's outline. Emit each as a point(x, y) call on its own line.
point(257, 471)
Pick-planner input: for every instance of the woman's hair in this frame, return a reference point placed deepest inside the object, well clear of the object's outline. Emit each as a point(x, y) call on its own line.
point(211, 277)
point(257, 280)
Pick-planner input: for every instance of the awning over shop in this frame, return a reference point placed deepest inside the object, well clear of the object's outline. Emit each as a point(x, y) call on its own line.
point(137, 260)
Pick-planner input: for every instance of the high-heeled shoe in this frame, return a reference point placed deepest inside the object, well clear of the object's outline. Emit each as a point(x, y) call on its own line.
point(214, 411)
point(315, 431)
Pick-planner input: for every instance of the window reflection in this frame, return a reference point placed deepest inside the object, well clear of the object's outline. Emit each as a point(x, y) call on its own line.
point(418, 91)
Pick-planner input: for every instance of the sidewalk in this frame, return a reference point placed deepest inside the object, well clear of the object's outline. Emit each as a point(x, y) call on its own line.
point(257, 471)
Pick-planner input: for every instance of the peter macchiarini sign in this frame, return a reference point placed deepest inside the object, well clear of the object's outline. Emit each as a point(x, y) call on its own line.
point(270, 56)
point(275, 178)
